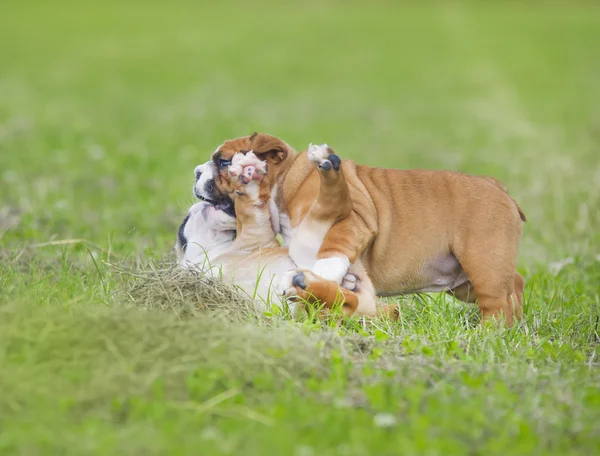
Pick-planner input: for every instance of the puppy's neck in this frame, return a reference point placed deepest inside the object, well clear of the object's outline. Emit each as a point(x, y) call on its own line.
point(254, 228)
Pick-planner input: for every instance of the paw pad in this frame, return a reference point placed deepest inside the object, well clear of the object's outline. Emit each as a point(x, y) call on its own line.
point(247, 168)
point(350, 282)
point(298, 281)
point(323, 156)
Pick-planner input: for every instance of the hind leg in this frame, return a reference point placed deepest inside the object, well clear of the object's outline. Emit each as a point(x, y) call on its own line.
point(493, 289)
point(519, 287)
point(489, 260)
point(466, 293)
point(487, 251)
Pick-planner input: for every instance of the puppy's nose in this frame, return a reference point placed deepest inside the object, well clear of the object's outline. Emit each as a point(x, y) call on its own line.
point(198, 172)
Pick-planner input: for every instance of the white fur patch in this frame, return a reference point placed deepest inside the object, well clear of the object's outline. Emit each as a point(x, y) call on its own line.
point(334, 268)
point(204, 243)
point(306, 242)
point(284, 287)
point(285, 228)
point(318, 153)
point(207, 173)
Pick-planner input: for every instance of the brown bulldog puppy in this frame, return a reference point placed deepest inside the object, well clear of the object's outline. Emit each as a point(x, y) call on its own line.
point(412, 230)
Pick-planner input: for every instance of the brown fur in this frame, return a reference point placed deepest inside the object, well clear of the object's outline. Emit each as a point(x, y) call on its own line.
point(402, 219)
point(256, 241)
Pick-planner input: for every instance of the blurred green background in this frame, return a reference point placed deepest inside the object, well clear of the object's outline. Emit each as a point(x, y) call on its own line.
point(107, 107)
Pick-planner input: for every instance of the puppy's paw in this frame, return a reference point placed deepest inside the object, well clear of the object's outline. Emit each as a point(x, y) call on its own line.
point(286, 287)
point(324, 157)
point(296, 284)
point(351, 282)
point(247, 168)
point(303, 282)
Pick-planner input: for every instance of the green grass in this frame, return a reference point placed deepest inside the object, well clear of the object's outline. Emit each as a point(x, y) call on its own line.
point(105, 110)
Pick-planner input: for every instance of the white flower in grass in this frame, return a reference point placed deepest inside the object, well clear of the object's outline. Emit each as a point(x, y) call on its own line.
point(96, 152)
point(384, 420)
point(210, 433)
point(304, 450)
point(556, 266)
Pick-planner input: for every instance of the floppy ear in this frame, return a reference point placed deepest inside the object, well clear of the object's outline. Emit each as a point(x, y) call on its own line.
point(269, 148)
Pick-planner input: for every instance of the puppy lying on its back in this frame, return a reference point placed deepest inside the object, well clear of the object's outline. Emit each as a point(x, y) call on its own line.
point(253, 259)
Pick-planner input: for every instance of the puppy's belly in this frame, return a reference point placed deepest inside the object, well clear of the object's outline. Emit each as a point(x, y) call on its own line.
point(258, 274)
point(441, 273)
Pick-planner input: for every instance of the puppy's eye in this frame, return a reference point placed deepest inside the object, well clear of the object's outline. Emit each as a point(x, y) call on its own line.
point(223, 163)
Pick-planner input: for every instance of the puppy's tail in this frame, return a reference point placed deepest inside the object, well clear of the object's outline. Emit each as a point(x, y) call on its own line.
point(496, 183)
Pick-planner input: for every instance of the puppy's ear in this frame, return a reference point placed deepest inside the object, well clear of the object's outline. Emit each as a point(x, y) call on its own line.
point(268, 148)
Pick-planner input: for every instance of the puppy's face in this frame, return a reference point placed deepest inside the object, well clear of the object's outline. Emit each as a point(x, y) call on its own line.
point(213, 182)
point(204, 228)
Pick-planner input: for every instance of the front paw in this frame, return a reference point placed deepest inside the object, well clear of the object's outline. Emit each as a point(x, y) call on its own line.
point(324, 157)
point(247, 168)
point(286, 287)
point(296, 285)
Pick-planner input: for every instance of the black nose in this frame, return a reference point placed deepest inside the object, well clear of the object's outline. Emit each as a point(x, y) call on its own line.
point(198, 173)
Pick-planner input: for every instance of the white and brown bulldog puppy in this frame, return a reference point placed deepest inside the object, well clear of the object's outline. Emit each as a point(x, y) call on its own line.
point(413, 230)
point(244, 249)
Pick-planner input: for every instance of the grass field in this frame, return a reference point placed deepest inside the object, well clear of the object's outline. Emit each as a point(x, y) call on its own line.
point(107, 107)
